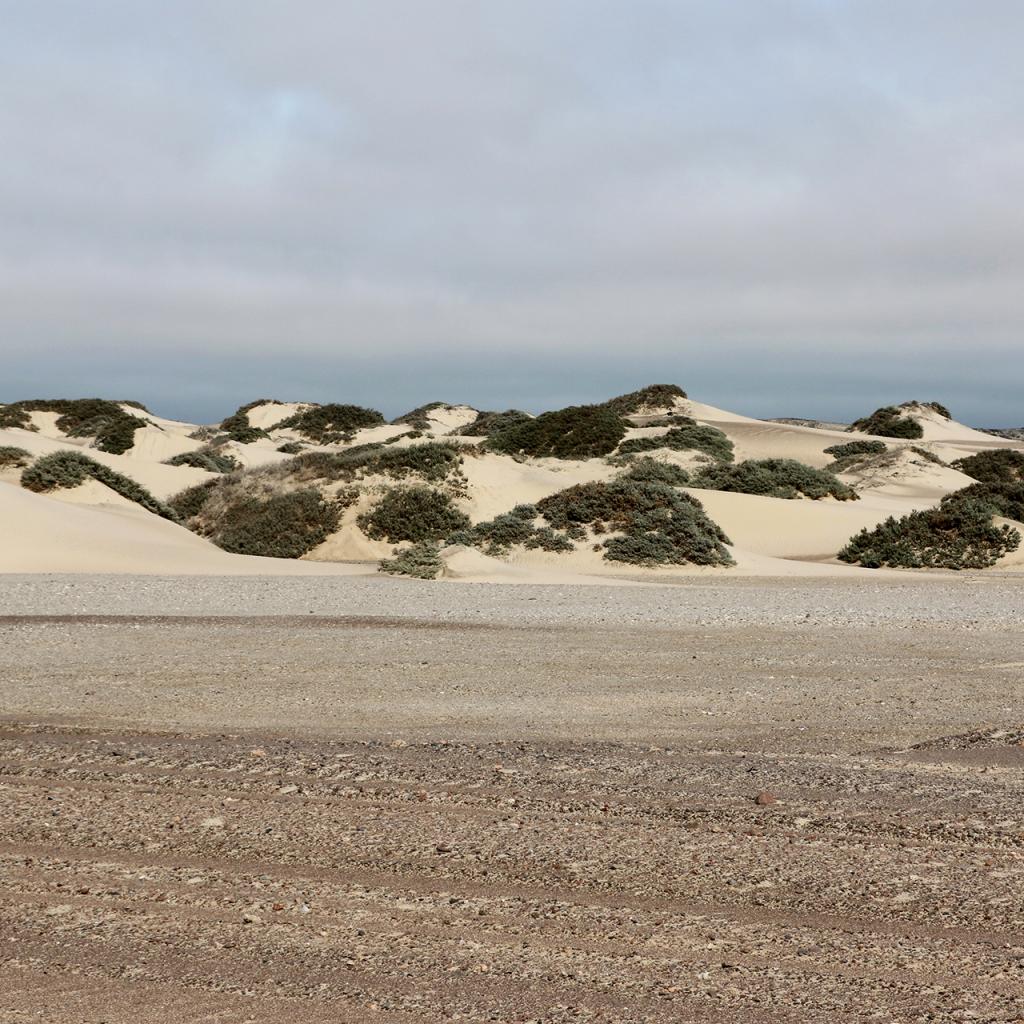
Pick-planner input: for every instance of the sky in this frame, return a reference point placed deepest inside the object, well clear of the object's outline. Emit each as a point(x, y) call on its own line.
point(787, 207)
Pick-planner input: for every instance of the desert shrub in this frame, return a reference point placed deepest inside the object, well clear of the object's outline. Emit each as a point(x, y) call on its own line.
point(650, 471)
point(291, 448)
point(578, 432)
point(209, 459)
point(956, 535)
point(487, 424)
point(934, 406)
point(654, 396)
point(112, 427)
point(412, 513)
point(434, 461)
point(774, 478)
point(688, 437)
point(190, 502)
point(419, 417)
point(1000, 465)
point(331, 423)
point(887, 422)
point(864, 465)
point(282, 526)
point(15, 416)
point(1004, 499)
point(497, 535)
point(238, 428)
point(851, 448)
point(656, 524)
point(13, 458)
point(69, 469)
point(421, 561)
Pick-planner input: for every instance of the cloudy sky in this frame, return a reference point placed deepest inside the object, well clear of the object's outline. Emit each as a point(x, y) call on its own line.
point(808, 207)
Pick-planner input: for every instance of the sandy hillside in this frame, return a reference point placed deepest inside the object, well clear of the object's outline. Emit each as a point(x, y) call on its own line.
point(92, 528)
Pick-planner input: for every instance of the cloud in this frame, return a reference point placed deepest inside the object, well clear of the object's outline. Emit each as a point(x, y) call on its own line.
point(768, 181)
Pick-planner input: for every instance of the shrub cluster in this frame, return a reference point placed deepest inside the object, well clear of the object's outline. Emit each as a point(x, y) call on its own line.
point(655, 524)
point(487, 424)
point(650, 471)
point(419, 417)
point(774, 478)
point(578, 432)
point(291, 448)
point(958, 534)
point(851, 448)
point(887, 422)
point(112, 427)
point(875, 463)
point(687, 437)
point(997, 466)
point(1004, 499)
point(12, 457)
point(654, 396)
point(239, 429)
point(331, 423)
point(189, 502)
point(210, 459)
point(497, 535)
point(69, 469)
point(421, 561)
point(412, 513)
point(433, 461)
point(284, 525)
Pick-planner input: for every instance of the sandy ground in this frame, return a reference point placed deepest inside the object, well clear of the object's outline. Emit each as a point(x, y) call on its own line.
point(359, 800)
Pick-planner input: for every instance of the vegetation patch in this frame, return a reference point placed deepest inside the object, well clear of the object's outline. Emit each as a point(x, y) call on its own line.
point(112, 427)
point(998, 466)
point(654, 396)
point(420, 417)
point(578, 432)
point(210, 459)
point(332, 423)
point(488, 424)
point(687, 437)
point(774, 478)
point(518, 527)
point(958, 534)
point(291, 448)
point(851, 448)
point(421, 561)
point(433, 461)
point(864, 465)
point(190, 502)
point(287, 525)
point(70, 469)
point(654, 524)
point(413, 513)
point(13, 458)
point(238, 428)
point(1004, 499)
point(650, 471)
point(889, 421)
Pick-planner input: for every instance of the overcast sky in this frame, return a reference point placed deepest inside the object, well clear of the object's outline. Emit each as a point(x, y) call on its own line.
point(804, 208)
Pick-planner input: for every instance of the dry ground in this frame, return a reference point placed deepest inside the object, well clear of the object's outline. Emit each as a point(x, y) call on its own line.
point(512, 808)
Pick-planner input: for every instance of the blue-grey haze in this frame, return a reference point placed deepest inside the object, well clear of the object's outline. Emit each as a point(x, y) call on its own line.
point(789, 207)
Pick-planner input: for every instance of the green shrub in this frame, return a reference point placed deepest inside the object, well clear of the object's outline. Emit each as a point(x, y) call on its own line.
point(112, 427)
point(851, 448)
point(209, 459)
point(654, 396)
point(283, 526)
point(657, 524)
point(688, 437)
point(421, 561)
point(956, 535)
point(419, 417)
point(650, 471)
point(15, 416)
point(997, 466)
point(291, 448)
point(69, 469)
point(412, 513)
point(434, 461)
point(12, 457)
point(487, 424)
point(864, 465)
point(578, 432)
point(331, 423)
point(497, 535)
point(774, 478)
point(887, 422)
point(239, 429)
point(189, 502)
point(1004, 499)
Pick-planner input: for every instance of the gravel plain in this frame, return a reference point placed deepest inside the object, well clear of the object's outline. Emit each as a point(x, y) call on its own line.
point(376, 800)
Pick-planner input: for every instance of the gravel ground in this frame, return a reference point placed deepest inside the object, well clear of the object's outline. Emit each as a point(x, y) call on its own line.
point(372, 800)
